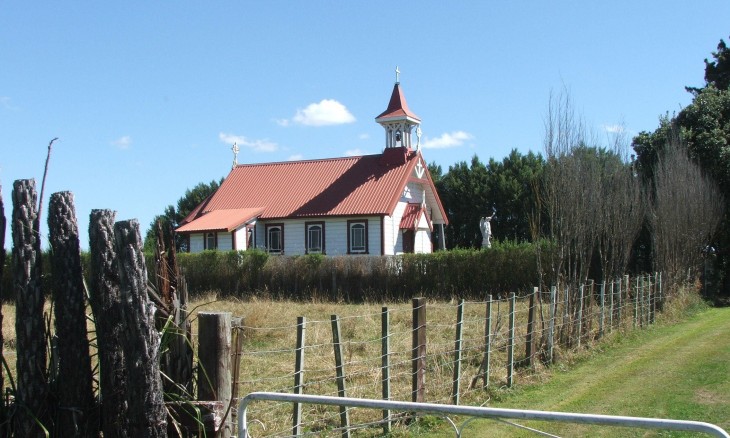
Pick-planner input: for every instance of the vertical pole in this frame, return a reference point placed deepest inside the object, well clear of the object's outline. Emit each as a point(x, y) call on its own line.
point(74, 370)
point(566, 317)
point(636, 303)
point(551, 330)
point(457, 352)
point(418, 357)
point(601, 318)
point(530, 337)
point(340, 374)
point(580, 315)
point(661, 292)
point(299, 375)
point(385, 365)
point(214, 353)
point(511, 346)
point(611, 306)
point(32, 387)
point(487, 342)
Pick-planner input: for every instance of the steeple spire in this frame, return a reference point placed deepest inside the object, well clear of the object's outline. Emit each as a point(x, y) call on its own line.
point(398, 120)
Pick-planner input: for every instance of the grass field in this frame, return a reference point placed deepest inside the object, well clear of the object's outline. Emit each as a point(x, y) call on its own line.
point(679, 371)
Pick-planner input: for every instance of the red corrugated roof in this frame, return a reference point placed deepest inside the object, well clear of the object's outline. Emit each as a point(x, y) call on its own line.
point(397, 107)
point(221, 220)
point(346, 186)
point(412, 216)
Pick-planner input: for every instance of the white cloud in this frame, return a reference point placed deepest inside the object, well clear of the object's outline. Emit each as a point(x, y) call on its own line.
point(7, 104)
point(354, 153)
point(257, 145)
point(614, 129)
point(326, 112)
point(363, 136)
point(122, 142)
point(282, 122)
point(295, 157)
point(446, 140)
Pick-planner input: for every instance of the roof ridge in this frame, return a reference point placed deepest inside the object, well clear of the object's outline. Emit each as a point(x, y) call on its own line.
point(310, 160)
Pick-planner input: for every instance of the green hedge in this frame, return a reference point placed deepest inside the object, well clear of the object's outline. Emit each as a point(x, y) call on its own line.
point(463, 273)
point(466, 273)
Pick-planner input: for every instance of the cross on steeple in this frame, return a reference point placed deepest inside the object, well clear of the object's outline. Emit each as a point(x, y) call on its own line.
point(397, 75)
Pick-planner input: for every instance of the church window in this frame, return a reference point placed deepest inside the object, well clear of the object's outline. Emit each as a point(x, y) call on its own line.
point(314, 237)
point(210, 241)
point(357, 237)
point(275, 238)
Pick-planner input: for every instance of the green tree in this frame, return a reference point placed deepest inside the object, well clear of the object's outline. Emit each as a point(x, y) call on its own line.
point(464, 194)
point(173, 216)
point(704, 128)
point(512, 191)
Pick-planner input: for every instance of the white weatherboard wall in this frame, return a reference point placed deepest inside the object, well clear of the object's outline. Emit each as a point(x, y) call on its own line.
point(196, 243)
point(335, 235)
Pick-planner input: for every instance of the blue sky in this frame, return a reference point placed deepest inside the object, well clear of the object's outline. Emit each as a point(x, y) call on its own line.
point(147, 97)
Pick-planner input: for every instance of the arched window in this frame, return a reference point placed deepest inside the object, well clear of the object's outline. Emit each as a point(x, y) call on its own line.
point(210, 241)
point(357, 237)
point(315, 237)
point(275, 238)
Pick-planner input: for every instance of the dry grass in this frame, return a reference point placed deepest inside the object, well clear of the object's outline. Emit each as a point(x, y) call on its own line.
point(268, 356)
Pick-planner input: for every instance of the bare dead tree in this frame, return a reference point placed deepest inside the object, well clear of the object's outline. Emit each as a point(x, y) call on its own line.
point(105, 300)
point(686, 210)
point(73, 381)
point(30, 331)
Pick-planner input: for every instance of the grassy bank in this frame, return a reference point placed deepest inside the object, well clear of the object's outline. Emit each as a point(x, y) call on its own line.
point(678, 371)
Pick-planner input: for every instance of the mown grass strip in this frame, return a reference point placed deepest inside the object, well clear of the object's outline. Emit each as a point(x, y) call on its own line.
point(679, 371)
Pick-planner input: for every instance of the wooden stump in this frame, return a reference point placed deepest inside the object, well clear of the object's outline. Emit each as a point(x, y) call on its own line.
point(106, 305)
point(32, 381)
point(214, 353)
point(73, 389)
point(147, 414)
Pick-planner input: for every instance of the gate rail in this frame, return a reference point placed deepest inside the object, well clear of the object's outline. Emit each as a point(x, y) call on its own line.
point(479, 412)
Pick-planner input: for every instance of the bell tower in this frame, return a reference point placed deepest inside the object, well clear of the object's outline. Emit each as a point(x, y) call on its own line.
point(398, 120)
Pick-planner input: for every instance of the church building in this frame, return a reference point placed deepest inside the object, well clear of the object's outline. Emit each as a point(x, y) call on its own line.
point(383, 204)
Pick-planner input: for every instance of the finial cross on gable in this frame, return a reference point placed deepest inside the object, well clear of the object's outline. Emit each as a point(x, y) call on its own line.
point(397, 75)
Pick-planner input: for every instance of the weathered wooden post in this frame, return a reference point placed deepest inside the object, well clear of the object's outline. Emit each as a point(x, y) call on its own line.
point(530, 336)
point(105, 299)
point(418, 355)
point(385, 364)
point(340, 374)
point(32, 378)
point(214, 356)
point(551, 329)
point(73, 383)
point(511, 341)
point(487, 342)
point(147, 413)
point(602, 316)
point(579, 327)
point(457, 352)
point(299, 375)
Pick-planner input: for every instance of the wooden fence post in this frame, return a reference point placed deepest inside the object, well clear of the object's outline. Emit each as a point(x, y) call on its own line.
point(636, 303)
point(611, 307)
point(565, 328)
point(580, 315)
point(511, 342)
point(299, 375)
point(602, 317)
point(340, 374)
point(30, 331)
point(551, 329)
point(418, 353)
point(105, 299)
point(214, 358)
point(73, 391)
point(457, 352)
point(487, 341)
point(385, 364)
point(147, 413)
point(530, 337)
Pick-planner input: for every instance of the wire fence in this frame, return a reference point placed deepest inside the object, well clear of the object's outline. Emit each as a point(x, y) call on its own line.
point(470, 347)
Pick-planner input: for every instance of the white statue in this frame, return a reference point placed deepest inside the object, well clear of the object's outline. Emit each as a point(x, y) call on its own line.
point(486, 228)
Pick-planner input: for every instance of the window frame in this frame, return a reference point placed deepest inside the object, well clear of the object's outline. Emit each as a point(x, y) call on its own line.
point(307, 226)
point(267, 231)
point(208, 235)
point(350, 226)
